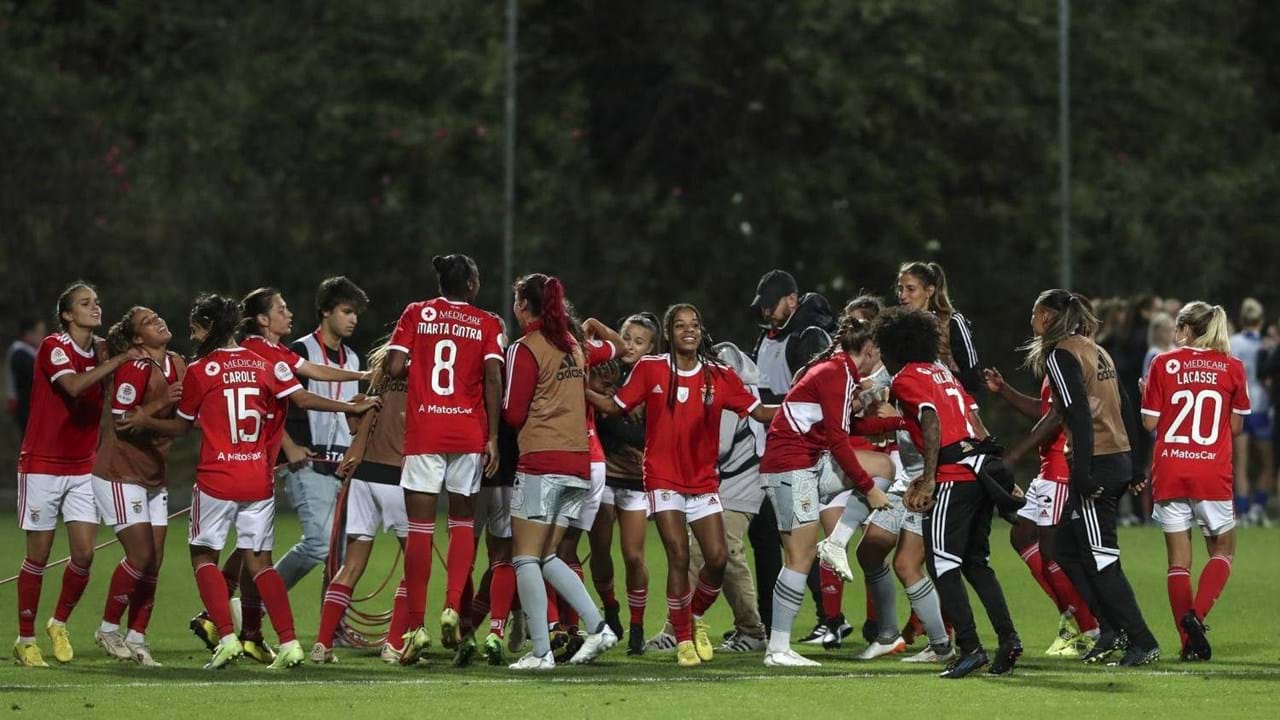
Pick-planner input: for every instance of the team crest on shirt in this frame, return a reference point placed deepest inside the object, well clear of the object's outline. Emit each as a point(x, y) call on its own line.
point(137, 507)
point(126, 394)
point(212, 368)
point(283, 373)
point(1172, 366)
point(682, 394)
point(428, 314)
point(58, 356)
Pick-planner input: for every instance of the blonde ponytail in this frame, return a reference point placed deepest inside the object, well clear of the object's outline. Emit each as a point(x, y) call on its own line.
point(1208, 326)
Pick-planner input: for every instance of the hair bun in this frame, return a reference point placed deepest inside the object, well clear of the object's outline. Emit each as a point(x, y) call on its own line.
point(439, 262)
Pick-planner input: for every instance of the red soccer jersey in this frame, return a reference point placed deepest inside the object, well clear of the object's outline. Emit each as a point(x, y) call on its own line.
point(1193, 393)
point(62, 432)
point(815, 417)
point(447, 343)
point(597, 352)
point(231, 392)
point(274, 353)
point(682, 443)
point(1053, 453)
point(931, 385)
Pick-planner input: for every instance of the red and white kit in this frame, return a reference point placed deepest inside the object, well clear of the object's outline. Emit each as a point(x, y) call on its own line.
point(682, 442)
point(61, 440)
point(1047, 494)
point(1193, 392)
point(446, 425)
point(231, 393)
point(274, 352)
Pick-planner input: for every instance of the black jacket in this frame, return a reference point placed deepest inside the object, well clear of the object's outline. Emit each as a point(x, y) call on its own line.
point(809, 330)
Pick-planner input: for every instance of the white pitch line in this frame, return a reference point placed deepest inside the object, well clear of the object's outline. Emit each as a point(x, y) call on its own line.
point(640, 680)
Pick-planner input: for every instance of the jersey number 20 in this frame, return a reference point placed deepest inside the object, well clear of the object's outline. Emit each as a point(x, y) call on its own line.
point(1195, 405)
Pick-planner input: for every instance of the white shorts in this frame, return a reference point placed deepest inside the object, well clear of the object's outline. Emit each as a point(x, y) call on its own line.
point(591, 505)
point(548, 499)
point(122, 505)
point(211, 521)
point(1046, 500)
point(42, 497)
point(458, 473)
point(694, 507)
point(625, 500)
point(839, 501)
point(374, 506)
point(492, 509)
point(897, 518)
point(1214, 517)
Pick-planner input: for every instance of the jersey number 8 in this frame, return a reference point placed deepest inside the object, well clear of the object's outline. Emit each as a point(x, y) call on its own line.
point(442, 368)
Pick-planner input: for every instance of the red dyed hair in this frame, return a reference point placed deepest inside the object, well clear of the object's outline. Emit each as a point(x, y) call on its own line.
point(545, 296)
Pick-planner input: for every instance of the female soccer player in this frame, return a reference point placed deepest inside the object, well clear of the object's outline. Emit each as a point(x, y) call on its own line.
point(230, 392)
point(1086, 394)
point(55, 465)
point(545, 402)
point(923, 286)
point(451, 435)
point(1032, 536)
point(684, 394)
point(957, 529)
point(1196, 399)
point(129, 479)
point(374, 502)
point(624, 501)
point(815, 420)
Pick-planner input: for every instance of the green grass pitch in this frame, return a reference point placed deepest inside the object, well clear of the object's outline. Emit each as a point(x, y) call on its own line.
point(1242, 681)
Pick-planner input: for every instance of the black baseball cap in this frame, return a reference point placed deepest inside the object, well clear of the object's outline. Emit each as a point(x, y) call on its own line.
point(775, 285)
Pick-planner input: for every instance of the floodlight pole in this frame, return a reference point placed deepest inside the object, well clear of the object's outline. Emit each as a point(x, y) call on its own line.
point(1064, 138)
point(509, 165)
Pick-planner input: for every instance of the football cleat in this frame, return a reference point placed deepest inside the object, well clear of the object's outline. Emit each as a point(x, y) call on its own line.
point(257, 650)
point(595, 645)
point(493, 650)
point(815, 635)
point(204, 629)
point(288, 655)
point(227, 652)
point(534, 662)
point(836, 558)
point(614, 620)
point(57, 631)
point(113, 644)
point(1103, 648)
point(740, 643)
point(635, 640)
point(450, 634)
point(1007, 655)
point(788, 658)
point(466, 650)
point(1136, 656)
point(702, 640)
point(389, 654)
point(880, 648)
point(141, 654)
point(965, 665)
point(1064, 644)
point(322, 655)
point(28, 655)
point(933, 654)
point(687, 654)
point(1197, 641)
point(662, 642)
point(415, 643)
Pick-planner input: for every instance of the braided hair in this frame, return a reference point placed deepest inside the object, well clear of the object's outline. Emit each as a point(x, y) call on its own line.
point(705, 353)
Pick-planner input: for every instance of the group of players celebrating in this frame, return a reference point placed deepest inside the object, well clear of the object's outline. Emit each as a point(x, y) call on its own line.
point(877, 431)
